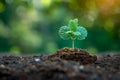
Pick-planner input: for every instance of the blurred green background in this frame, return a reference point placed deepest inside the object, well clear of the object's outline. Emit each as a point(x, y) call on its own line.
point(31, 26)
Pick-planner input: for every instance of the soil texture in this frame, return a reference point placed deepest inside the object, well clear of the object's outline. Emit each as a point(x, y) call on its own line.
point(81, 56)
point(47, 67)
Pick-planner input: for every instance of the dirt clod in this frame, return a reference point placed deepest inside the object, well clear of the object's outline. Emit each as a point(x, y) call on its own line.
point(75, 55)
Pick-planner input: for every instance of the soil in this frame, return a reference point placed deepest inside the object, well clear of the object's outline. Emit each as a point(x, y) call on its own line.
point(65, 64)
point(78, 55)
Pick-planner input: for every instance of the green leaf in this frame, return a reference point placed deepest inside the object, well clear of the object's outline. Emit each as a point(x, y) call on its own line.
point(77, 35)
point(69, 32)
point(83, 33)
point(73, 31)
point(63, 32)
point(73, 24)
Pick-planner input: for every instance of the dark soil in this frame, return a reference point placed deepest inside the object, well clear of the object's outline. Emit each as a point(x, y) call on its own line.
point(78, 55)
point(59, 67)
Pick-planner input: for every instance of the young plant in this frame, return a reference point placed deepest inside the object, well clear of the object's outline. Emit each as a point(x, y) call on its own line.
point(73, 31)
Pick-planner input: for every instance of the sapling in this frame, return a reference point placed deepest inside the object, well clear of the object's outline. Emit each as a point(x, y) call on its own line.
point(73, 31)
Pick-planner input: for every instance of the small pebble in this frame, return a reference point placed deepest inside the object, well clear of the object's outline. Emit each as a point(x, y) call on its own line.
point(81, 67)
point(98, 67)
point(2, 66)
point(37, 59)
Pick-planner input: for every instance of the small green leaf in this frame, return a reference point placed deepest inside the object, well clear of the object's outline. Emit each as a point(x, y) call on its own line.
point(83, 32)
point(69, 32)
point(73, 24)
point(63, 32)
point(77, 35)
point(73, 31)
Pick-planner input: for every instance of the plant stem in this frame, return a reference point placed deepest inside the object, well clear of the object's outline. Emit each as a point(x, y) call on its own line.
point(73, 43)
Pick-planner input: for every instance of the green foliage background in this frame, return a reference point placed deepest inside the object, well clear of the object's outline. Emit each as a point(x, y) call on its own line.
point(31, 26)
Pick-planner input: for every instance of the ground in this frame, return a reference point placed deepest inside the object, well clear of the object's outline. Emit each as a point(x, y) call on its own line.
point(61, 66)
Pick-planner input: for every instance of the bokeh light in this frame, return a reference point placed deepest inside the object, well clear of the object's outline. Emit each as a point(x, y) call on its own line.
point(31, 26)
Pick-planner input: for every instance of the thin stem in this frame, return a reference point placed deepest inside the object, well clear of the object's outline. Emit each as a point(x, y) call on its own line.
point(73, 43)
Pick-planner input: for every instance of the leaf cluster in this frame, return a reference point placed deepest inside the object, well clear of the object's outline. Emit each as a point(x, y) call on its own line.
point(73, 31)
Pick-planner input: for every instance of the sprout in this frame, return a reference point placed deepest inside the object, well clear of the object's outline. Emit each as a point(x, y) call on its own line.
point(73, 31)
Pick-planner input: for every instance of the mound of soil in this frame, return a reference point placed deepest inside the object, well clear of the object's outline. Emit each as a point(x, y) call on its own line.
point(43, 67)
point(81, 56)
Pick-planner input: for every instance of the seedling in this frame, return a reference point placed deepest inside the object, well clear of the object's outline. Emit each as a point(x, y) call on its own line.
point(73, 31)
